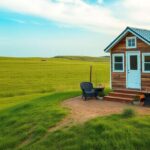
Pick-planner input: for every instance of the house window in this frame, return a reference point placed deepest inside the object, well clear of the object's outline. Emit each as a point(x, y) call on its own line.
point(146, 62)
point(131, 42)
point(118, 62)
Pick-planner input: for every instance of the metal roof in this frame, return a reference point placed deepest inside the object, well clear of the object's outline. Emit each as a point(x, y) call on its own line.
point(142, 34)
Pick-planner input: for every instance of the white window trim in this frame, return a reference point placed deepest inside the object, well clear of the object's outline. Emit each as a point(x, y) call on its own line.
point(143, 62)
point(128, 38)
point(113, 63)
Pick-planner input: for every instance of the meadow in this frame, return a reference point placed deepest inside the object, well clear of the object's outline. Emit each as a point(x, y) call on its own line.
point(22, 76)
point(31, 90)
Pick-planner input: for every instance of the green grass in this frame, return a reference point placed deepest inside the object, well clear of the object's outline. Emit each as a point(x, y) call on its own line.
point(31, 120)
point(8, 102)
point(22, 76)
point(128, 112)
point(104, 133)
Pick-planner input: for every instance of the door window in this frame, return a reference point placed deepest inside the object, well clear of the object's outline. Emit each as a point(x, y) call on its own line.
point(133, 62)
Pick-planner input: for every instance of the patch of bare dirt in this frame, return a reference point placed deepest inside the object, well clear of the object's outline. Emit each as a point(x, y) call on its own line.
point(82, 111)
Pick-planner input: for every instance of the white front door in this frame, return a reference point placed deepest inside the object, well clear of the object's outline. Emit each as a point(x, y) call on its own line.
point(133, 70)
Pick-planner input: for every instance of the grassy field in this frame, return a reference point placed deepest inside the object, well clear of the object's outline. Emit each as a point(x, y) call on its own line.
point(31, 90)
point(21, 76)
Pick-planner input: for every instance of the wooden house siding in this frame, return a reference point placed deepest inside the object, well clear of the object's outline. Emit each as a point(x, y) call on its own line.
point(118, 79)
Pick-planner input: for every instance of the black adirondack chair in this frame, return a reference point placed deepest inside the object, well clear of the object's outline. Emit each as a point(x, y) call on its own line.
point(88, 90)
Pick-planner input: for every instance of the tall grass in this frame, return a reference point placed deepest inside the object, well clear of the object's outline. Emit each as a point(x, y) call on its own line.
point(128, 113)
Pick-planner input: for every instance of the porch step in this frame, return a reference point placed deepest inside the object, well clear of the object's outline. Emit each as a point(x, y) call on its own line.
point(127, 91)
point(118, 99)
point(124, 95)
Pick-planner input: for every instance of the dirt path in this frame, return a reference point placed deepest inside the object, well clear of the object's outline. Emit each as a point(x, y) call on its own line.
point(66, 122)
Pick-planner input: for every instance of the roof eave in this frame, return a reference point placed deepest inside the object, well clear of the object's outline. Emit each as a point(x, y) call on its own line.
point(114, 42)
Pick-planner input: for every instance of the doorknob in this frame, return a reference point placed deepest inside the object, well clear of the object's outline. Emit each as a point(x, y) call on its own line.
point(128, 71)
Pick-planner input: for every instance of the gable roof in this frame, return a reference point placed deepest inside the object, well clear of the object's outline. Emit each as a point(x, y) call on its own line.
point(142, 34)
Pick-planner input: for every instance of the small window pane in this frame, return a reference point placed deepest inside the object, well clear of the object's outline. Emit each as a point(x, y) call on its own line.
point(147, 66)
point(133, 62)
point(118, 59)
point(129, 43)
point(119, 66)
point(147, 58)
point(133, 42)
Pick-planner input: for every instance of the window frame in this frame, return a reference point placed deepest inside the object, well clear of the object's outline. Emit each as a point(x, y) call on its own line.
point(113, 62)
point(129, 38)
point(143, 62)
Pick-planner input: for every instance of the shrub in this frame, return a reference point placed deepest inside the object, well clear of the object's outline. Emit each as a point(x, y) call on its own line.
point(128, 113)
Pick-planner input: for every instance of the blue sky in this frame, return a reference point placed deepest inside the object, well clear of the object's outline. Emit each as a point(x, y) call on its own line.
point(46, 28)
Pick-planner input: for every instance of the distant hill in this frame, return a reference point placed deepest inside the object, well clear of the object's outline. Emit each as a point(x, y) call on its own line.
point(86, 58)
point(80, 58)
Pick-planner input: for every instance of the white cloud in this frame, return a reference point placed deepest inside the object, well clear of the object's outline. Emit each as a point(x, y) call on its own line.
point(138, 11)
point(79, 13)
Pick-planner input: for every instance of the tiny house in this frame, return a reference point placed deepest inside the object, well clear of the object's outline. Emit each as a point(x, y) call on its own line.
point(130, 60)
